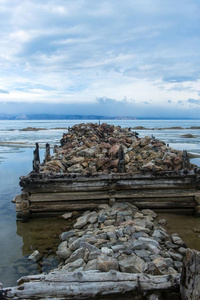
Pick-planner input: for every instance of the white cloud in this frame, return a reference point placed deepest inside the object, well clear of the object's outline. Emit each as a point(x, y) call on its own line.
point(78, 51)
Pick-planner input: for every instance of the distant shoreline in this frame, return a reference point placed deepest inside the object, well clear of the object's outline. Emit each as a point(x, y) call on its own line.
point(133, 128)
point(43, 117)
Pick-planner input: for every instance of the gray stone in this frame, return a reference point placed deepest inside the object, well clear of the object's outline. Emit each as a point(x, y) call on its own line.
point(148, 241)
point(67, 215)
point(177, 240)
point(22, 270)
point(107, 251)
point(35, 256)
point(132, 264)
point(66, 235)
point(109, 222)
point(178, 264)
point(161, 264)
point(91, 240)
point(91, 265)
point(170, 245)
point(175, 256)
point(75, 244)
point(169, 261)
point(154, 256)
point(102, 218)
point(102, 235)
point(136, 235)
point(129, 230)
point(74, 265)
point(32, 267)
point(164, 254)
point(111, 235)
point(117, 248)
point(105, 263)
point(155, 296)
point(141, 229)
point(153, 249)
point(162, 222)
point(159, 234)
point(88, 246)
point(128, 218)
point(94, 254)
point(105, 207)
point(138, 215)
point(182, 250)
point(139, 245)
point(142, 253)
point(81, 221)
point(149, 212)
point(93, 218)
point(171, 271)
point(79, 253)
point(150, 268)
point(63, 251)
point(119, 232)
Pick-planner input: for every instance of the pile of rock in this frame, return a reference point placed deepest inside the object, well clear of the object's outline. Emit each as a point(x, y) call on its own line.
point(92, 148)
point(121, 238)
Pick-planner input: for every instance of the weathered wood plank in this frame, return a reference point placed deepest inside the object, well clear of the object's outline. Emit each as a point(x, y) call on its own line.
point(77, 196)
point(83, 205)
point(64, 207)
point(88, 284)
point(62, 187)
point(190, 277)
point(153, 205)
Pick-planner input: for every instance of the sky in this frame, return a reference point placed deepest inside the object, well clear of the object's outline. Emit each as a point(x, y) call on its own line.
point(130, 58)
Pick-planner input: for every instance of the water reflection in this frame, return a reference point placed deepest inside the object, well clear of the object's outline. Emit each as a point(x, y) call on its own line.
point(41, 234)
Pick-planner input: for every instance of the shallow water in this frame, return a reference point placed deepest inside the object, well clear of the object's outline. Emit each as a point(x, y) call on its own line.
point(17, 239)
point(185, 226)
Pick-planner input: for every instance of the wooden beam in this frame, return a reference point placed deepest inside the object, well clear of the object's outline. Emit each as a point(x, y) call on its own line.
point(79, 285)
point(190, 277)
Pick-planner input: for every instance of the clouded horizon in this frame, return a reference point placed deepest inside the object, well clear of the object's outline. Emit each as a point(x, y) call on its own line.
point(130, 58)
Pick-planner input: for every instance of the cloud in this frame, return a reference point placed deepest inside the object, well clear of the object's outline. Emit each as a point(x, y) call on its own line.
point(180, 102)
point(3, 92)
point(178, 78)
point(78, 51)
point(194, 101)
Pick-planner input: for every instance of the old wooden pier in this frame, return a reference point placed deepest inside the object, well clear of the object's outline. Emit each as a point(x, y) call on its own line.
point(51, 194)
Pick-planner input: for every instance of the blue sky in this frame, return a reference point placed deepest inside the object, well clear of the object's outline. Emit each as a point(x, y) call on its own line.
point(137, 58)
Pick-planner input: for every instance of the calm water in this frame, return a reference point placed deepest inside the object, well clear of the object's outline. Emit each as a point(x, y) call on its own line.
point(17, 239)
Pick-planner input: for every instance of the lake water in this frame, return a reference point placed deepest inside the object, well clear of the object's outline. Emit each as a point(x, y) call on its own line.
point(17, 239)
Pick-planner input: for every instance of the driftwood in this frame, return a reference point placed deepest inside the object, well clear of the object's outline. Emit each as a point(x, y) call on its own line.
point(190, 277)
point(79, 285)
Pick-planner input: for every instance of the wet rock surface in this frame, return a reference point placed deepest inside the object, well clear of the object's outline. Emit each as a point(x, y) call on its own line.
point(106, 240)
point(91, 148)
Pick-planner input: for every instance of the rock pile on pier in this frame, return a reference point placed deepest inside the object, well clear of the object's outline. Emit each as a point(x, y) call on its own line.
point(121, 238)
point(92, 148)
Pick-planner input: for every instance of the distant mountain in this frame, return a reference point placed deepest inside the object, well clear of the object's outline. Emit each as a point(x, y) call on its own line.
point(78, 117)
point(60, 117)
